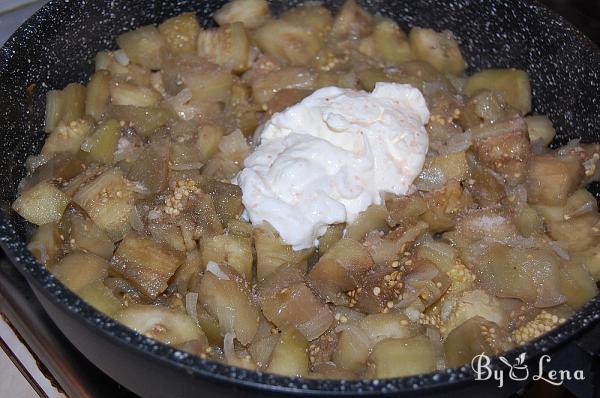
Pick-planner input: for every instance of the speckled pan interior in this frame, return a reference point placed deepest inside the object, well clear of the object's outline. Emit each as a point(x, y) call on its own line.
point(57, 46)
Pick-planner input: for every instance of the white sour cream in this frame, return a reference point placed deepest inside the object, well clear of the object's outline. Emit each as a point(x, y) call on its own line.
point(329, 157)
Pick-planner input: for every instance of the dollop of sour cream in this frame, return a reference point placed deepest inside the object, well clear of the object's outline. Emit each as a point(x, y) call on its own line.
point(329, 157)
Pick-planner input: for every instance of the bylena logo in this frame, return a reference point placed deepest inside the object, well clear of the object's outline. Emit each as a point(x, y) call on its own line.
point(520, 371)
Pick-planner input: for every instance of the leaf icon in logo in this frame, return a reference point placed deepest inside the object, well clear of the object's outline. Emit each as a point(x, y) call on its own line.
point(521, 359)
point(505, 361)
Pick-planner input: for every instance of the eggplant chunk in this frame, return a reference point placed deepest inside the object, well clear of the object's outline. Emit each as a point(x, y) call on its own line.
point(341, 269)
point(144, 46)
point(440, 49)
point(506, 153)
point(266, 86)
point(551, 180)
point(540, 129)
point(60, 168)
point(181, 33)
point(125, 93)
point(145, 120)
point(576, 233)
point(227, 198)
point(77, 270)
point(313, 17)
point(252, 13)
point(100, 146)
point(402, 357)
point(297, 306)
point(332, 234)
point(41, 204)
point(477, 335)
point(290, 355)
point(146, 263)
point(224, 296)
point(99, 296)
point(404, 209)
point(374, 218)
point(531, 275)
point(391, 43)
point(108, 199)
point(227, 46)
point(45, 244)
point(352, 350)
point(351, 20)
point(160, 323)
point(81, 233)
point(577, 284)
point(513, 84)
point(233, 250)
point(98, 94)
point(272, 252)
point(150, 169)
point(290, 43)
point(67, 137)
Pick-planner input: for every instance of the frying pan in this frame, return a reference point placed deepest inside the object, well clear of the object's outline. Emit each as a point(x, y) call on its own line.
point(57, 45)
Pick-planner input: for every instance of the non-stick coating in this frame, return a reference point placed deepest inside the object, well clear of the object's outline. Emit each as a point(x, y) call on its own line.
point(57, 46)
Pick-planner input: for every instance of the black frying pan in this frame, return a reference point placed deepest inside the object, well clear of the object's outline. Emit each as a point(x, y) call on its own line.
point(57, 46)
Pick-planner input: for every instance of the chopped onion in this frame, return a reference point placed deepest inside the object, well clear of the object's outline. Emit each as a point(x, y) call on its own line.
point(214, 269)
point(121, 57)
point(191, 302)
point(413, 314)
point(178, 103)
point(234, 146)
point(135, 220)
point(153, 214)
point(33, 162)
point(124, 149)
point(138, 187)
point(229, 348)
point(558, 249)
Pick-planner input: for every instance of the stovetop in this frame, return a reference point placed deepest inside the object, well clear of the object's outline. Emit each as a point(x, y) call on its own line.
point(61, 363)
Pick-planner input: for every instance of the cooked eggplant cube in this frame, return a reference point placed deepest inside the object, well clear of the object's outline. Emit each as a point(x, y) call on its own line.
point(144, 46)
point(161, 323)
point(477, 335)
point(181, 33)
point(77, 270)
point(341, 269)
point(108, 200)
point(551, 180)
point(226, 299)
point(402, 357)
point(41, 204)
point(272, 252)
point(227, 198)
point(513, 84)
point(297, 306)
point(145, 263)
point(290, 355)
point(440, 49)
point(81, 233)
point(229, 249)
point(252, 13)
